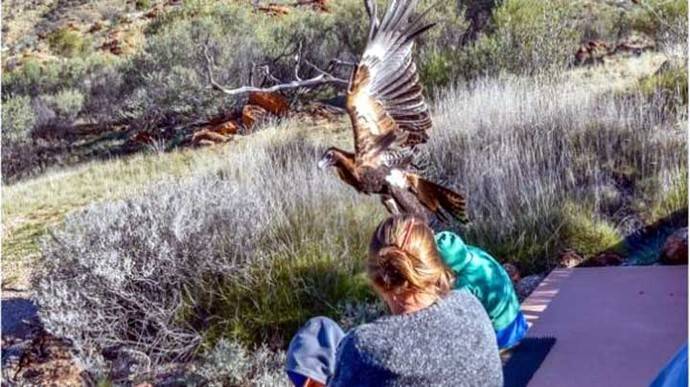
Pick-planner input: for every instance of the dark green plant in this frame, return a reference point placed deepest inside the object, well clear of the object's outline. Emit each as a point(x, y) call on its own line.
point(142, 5)
point(69, 43)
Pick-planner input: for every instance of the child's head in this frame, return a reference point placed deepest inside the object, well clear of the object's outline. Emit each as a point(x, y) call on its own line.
point(403, 259)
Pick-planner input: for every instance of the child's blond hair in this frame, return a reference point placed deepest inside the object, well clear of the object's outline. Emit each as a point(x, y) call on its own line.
point(403, 258)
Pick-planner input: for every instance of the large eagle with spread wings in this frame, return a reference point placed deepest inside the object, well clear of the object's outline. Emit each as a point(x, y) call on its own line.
point(390, 119)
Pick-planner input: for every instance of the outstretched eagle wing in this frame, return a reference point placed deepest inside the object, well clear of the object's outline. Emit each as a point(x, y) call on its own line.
point(384, 98)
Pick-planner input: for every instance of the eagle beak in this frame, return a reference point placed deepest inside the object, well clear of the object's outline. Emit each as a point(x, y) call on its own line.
point(323, 164)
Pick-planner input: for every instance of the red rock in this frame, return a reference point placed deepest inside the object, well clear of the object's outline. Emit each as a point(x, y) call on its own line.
point(226, 128)
point(154, 12)
point(143, 138)
point(114, 46)
point(512, 271)
point(593, 51)
point(97, 26)
point(275, 9)
point(208, 137)
point(251, 115)
point(635, 43)
point(603, 259)
point(675, 250)
point(570, 258)
point(273, 103)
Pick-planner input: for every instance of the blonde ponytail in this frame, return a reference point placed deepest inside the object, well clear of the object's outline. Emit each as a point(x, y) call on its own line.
point(403, 258)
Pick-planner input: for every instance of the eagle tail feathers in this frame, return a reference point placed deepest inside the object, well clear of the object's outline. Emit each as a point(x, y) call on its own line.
point(439, 199)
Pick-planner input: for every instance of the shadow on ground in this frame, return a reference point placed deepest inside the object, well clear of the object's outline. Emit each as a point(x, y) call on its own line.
point(19, 315)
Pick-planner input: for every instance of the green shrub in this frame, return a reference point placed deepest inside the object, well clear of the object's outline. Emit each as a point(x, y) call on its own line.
point(670, 82)
point(308, 275)
point(666, 196)
point(526, 36)
point(168, 77)
point(68, 43)
point(585, 232)
point(658, 18)
point(67, 104)
point(17, 119)
point(36, 78)
point(535, 35)
point(438, 47)
point(142, 5)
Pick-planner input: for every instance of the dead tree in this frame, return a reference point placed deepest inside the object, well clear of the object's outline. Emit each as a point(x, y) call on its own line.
point(324, 77)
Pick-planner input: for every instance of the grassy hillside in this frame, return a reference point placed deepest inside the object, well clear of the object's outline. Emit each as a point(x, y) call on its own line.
point(31, 207)
point(83, 80)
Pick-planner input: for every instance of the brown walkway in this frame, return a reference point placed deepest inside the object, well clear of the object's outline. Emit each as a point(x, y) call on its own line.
point(615, 326)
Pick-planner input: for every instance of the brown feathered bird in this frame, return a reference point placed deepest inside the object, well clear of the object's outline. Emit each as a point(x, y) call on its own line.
point(390, 118)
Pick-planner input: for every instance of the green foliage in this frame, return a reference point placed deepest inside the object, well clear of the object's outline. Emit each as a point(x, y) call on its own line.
point(525, 36)
point(437, 69)
point(583, 231)
point(67, 103)
point(142, 5)
point(68, 43)
point(168, 77)
point(308, 274)
point(535, 35)
point(667, 196)
point(671, 82)
point(659, 17)
point(438, 47)
point(35, 78)
point(17, 119)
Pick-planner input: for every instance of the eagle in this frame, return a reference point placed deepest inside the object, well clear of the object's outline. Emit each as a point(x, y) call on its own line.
point(390, 120)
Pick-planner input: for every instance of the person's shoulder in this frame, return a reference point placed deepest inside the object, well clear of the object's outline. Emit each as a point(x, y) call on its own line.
point(461, 300)
point(460, 297)
point(364, 335)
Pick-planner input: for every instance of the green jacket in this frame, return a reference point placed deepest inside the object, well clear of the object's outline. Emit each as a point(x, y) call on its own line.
point(482, 275)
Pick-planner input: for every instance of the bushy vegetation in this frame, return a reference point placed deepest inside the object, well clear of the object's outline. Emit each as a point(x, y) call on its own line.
point(243, 256)
point(220, 268)
point(527, 36)
point(527, 150)
point(163, 86)
point(69, 43)
point(17, 119)
point(245, 253)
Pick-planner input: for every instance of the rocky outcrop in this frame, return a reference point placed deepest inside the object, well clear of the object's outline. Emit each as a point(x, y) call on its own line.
point(634, 44)
point(273, 103)
point(513, 272)
point(606, 258)
point(592, 52)
point(596, 51)
point(675, 250)
point(569, 259)
point(527, 285)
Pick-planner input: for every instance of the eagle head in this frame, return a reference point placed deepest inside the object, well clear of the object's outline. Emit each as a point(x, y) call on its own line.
point(328, 159)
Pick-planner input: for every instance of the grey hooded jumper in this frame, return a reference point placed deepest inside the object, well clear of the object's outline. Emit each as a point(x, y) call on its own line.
point(450, 343)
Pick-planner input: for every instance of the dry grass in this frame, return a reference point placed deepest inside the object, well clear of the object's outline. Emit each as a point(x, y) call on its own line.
point(527, 148)
point(30, 207)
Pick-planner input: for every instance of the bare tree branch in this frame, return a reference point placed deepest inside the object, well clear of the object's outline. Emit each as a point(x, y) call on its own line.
point(342, 63)
point(324, 78)
point(298, 60)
